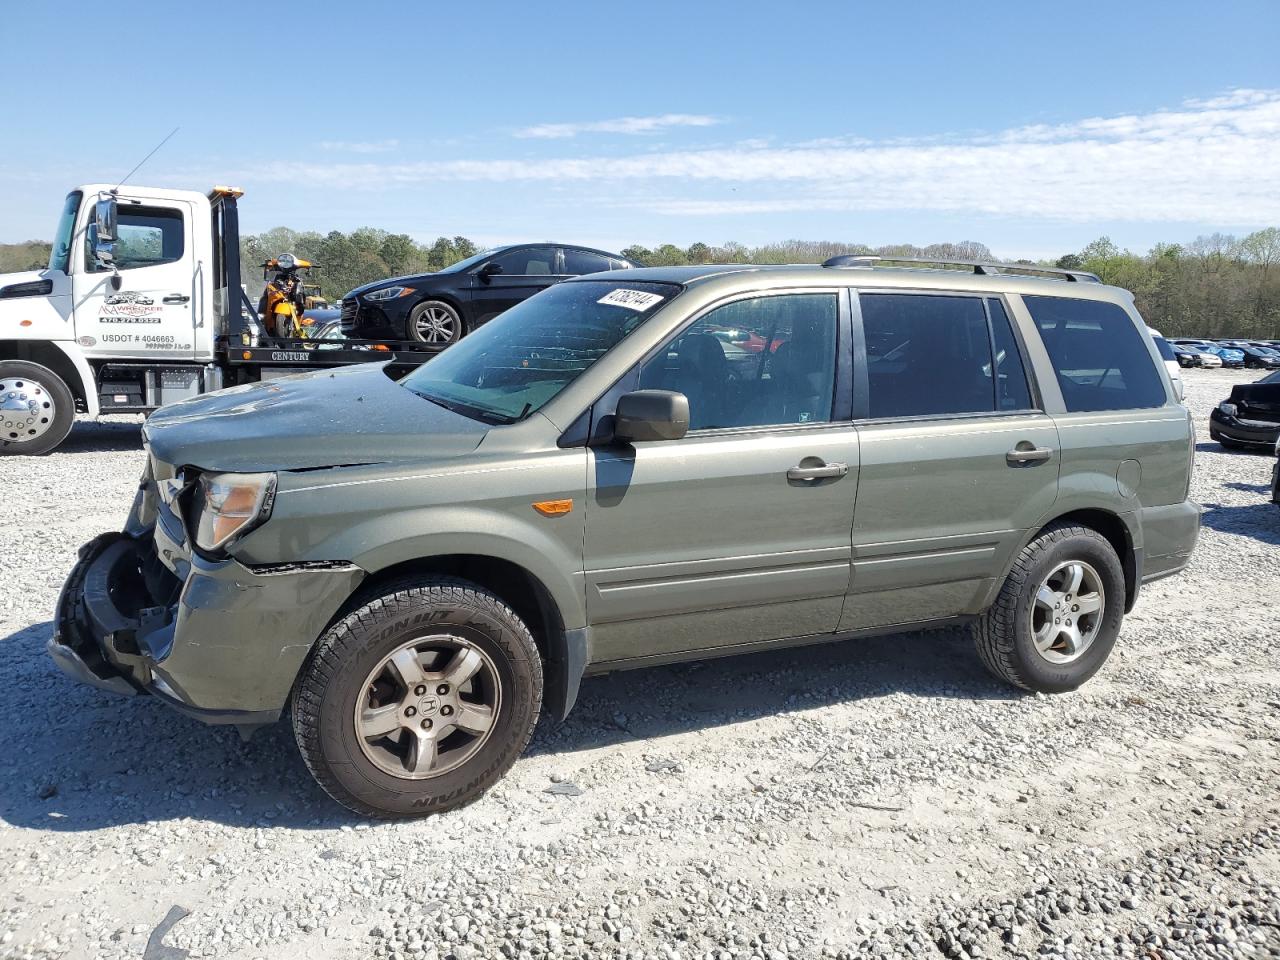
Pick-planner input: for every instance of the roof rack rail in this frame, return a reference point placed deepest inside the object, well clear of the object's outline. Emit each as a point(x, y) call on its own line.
point(979, 267)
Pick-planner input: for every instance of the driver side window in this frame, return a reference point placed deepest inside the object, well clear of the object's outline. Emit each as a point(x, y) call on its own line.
point(529, 261)
point(763, 361)
point(146, 237)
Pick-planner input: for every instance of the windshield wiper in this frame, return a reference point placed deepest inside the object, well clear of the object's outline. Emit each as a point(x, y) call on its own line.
point(466, 410)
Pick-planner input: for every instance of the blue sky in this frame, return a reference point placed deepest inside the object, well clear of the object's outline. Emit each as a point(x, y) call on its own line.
point(1032, 127)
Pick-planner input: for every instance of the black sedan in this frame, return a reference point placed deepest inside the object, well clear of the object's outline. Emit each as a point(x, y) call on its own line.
point(1250, 416)
point(441, 308)
point(1260, 358)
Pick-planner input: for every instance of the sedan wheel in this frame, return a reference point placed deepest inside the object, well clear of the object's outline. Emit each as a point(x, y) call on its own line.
point(435, 322)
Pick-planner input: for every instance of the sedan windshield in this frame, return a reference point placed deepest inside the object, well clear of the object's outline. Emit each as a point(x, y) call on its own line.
point(516, 363)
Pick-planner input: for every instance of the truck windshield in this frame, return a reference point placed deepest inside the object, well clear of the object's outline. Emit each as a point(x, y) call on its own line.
point(516, 363)
point(60, 255)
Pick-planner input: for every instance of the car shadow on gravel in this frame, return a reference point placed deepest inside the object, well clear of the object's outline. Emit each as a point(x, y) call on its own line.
point(90, 760)
point(1261, 521)
point(90, 437)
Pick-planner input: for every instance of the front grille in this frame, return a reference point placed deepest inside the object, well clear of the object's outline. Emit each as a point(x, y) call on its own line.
point(350, 308)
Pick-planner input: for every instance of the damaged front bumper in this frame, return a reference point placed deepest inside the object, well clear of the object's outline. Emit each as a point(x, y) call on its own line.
point(223, 642)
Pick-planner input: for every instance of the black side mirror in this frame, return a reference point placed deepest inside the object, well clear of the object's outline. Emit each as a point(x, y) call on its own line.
point(490, 269)
point(651, 415)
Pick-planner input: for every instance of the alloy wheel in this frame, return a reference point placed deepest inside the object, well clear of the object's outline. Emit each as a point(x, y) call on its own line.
point(428, 707)
point(436, 324)
point(1068, 612)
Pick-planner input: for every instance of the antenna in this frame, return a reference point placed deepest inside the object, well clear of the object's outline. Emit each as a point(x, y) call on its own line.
point(146, 158)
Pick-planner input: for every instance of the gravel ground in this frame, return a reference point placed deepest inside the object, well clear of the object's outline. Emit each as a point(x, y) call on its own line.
point(874, 798)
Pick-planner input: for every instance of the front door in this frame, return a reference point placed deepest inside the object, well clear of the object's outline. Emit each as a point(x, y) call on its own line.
point(958, 459)
point(524, 272)
point(739, 532)
point(150, 315)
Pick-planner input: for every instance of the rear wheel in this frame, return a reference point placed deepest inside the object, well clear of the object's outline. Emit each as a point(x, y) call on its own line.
point(435, 322)
point(37, 409)
point(419, 700)
point(1057, 616)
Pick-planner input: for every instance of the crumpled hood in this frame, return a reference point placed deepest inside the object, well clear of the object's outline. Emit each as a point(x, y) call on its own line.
point(325, 418)
point(391, 282)
point(1257, 401)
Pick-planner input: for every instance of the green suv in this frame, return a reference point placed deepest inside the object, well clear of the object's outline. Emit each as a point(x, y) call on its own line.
point(631, 470)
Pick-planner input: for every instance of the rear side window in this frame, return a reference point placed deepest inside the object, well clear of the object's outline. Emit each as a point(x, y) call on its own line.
point(933, 356)
point(1098, 354)
point(1163, 348)
point(578, 262)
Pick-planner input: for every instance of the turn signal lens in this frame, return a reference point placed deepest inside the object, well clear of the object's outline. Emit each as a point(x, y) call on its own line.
point(553, 508)
point(227, 505)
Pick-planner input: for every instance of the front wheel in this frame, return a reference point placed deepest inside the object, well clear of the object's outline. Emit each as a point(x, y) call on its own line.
point(37, 409)
point(1057, 616)
point(419, 700)
point(435, 322)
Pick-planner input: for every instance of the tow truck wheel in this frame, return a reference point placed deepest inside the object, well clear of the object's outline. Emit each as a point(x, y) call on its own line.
point(37, 409)
point(435, 322)
point(418, 700)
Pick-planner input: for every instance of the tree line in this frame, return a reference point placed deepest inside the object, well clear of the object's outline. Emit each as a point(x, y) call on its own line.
point(1217, 285)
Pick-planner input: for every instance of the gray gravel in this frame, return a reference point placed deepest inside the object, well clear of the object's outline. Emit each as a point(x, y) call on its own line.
point(875, 798)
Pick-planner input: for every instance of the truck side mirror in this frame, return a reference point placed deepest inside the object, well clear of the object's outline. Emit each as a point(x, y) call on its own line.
point(104, 218)
point(651, 415)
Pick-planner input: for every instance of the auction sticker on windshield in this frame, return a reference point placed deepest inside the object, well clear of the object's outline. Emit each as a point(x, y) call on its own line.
point(637, 300)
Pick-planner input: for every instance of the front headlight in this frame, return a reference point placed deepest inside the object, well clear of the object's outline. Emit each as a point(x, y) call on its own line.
point(1229, 409)
point(228, 505)
point(388, 293)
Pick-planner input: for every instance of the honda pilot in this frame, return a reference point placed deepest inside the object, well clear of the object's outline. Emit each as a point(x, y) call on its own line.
point(633, 469)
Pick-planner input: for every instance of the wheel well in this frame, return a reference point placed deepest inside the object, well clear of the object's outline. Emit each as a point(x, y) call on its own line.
point(47, 355)
point(510, 583)
point(1117, 534)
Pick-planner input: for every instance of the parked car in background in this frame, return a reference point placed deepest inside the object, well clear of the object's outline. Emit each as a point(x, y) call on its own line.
point(443, 307)
point(587, 484)
point(1250, 416)
point(1229, 356)
point(1187, 357)
point(1171, 364)
point(1256, 357)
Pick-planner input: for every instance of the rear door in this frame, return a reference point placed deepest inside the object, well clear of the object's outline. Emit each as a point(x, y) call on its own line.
point(525, 271)
point(958, 459)
point(151, 314)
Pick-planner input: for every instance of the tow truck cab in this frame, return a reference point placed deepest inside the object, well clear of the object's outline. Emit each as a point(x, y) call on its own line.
point(141, 305)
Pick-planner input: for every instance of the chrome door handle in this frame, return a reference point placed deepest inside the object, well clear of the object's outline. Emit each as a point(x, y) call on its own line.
point(1028, 454)
point(819, 471)
point(177, 298)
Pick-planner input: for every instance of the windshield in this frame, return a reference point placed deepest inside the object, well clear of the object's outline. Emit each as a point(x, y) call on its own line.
point(516, 363)
point(60, 255)
point(462, 265)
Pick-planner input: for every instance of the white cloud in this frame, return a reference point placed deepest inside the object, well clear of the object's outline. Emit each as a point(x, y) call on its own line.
point(626, 125)
point(1213, 161)
point(359, 146)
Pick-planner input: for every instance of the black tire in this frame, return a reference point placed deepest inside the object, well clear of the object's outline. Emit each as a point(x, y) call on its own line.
point(1003, 634)
point(60, 399)
point(448, 311)
point(326, 693)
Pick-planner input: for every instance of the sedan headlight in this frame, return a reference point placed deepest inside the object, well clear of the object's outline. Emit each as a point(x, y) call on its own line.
point(229, 505)
point(388, 293)
point(1227, 408)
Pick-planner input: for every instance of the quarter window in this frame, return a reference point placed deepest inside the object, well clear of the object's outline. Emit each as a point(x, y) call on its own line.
point(932, 356)
point(765, 361)
point(1099, 355)
point(145, 237)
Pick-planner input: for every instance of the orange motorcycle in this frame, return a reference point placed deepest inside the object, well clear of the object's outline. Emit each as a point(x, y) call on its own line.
point(284, 301)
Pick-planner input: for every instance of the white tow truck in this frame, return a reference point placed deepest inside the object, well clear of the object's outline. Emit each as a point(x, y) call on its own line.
point(141, 305)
